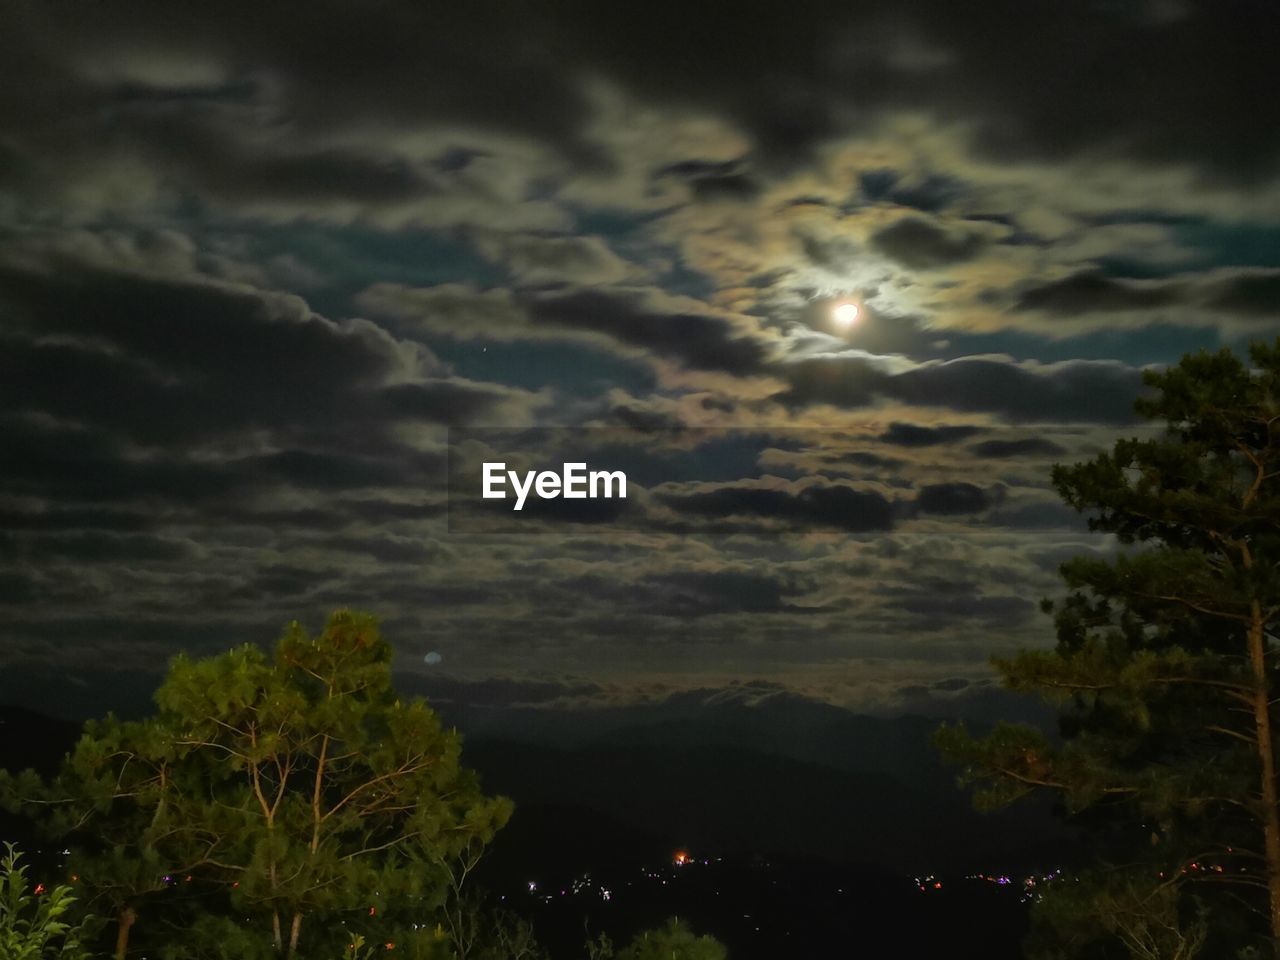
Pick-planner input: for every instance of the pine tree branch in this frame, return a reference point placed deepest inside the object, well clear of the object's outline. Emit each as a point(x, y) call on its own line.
point(1198, 608)
point(1243, 737)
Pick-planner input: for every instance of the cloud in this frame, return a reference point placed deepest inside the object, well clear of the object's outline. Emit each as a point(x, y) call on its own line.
point(695, 339)
point(1026, 446)
point(712, 181)
point(830, 506)
point(915, 435)
point(242, 295)
point(691, 594)
point(952, 498)
point(539, 260)
point(923, 244)
point(1085, 391)
point(934, 610)
point(631, 321)
point(109, 547)
point(1092, 292)
point(1248, 294)
point(455, 310)
point(183, 357)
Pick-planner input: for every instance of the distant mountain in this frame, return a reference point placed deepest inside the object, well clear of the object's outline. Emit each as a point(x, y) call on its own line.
point(769, 709)
point(747, 768)
point(728, 799)
point(77, 694)
point(752, 767)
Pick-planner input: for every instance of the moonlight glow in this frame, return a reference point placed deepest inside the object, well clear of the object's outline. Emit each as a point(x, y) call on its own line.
point(845, 314)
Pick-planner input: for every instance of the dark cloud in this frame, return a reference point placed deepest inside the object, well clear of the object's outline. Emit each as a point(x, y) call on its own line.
point(1025, 447)
point(201, 119)
point(78, 464)
point(645, 420)
point(210, 151)
point(732, 187)
point(699, 593)
point(830, 253)
point(105, 547)
point(1070, 391)
point(1092, 292)
point(1078, 390)
point(333, 470)
point(534, 198)
point(17, 588)
point(469, 513)
point(952, 498)
point(1163, 89)
point(280, 581)
point(452, 402)
point(1037, 514)
point(923, 244)
point(711, 181)
point(937, 610)
point(535, 260)
point(387, 548)
point(693, 593)
point(162, 358)
point(915, 435)
point(1251, 293)
point(832, 506)
point(75, 518)
point(931, 194)
point(699, 341)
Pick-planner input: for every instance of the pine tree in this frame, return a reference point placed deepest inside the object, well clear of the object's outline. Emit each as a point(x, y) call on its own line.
point(131, 816)
point(1165, 663)
point(336, 795)
point(282, 787)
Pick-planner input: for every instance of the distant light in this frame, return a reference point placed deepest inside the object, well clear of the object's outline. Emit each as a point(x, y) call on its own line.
point(846, 314)
point(432, 658)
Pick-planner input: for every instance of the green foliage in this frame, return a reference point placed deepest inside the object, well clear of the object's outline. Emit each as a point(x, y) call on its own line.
point(36, 927)
point(477, 931)
point(294, 790)
point(336, 795)
point(1164, 670)
point(129, 813)
point(212, 936)
point(674, 941)
point(1121, 913)
point(600, 947)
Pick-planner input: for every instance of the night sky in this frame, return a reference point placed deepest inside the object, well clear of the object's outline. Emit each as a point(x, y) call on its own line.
point(257, 259)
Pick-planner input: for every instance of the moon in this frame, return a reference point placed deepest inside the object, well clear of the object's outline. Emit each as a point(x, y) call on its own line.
point(432, 658)
point(846, 314)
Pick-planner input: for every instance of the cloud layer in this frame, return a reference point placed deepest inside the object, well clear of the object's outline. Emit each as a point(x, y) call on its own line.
point(254, 266)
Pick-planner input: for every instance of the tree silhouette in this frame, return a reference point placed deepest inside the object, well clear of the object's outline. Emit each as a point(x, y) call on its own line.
point(1165, 662)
